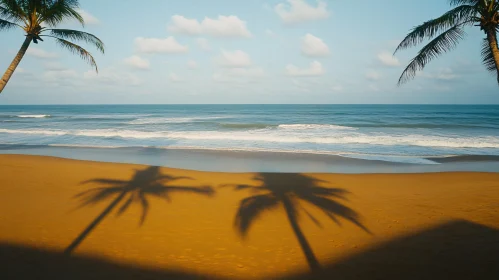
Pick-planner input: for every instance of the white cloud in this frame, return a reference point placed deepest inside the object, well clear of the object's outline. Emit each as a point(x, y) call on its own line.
point(174, 78)
point(54, 66)
point(269, 33)
point(315, 69)
point(192, 64)
point(388, 59)
point(58, 75)
point(156, 45)
point(223, 26)
point(373, 87)
point(337, 88)
point(234, 59)
point(112, 77)
point(255, 72)
point(87, 17)
point(39, 53)
point(138, 62)
point(203, 44)
point(314, 46)
point(445, 74)
point(238, 75)
point(373, 75)
point(299, 11)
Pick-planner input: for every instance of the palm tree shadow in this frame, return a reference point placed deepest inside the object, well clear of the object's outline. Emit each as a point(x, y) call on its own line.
point(144, 183)
point(287, 190)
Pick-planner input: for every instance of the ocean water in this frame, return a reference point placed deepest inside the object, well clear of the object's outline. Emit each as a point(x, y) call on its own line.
point(394, 133)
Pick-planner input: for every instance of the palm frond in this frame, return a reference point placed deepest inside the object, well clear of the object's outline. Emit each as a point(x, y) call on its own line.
point(60, 10)
point(75, 35)
point(458, 16)
point(488, 58)
point(12, 11)
point(75, 49)
point(4, 25)
point(441, 44)
point(463, 2)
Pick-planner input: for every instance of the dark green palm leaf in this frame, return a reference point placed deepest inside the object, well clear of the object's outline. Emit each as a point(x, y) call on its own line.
point(60, 10)
point(4, 25)
point(75, 49)
point(488, 59)
point(441, 44)
point(463, 2)
point(458, 16)
point(75, 35)
point(11, 10)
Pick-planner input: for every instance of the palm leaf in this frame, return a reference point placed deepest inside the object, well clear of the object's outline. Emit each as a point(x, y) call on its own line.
point(458, 16)
point(75, 49)
point(441, 44)
point(463, 2)
point(75, 35)
point(60, 10)
point(488, 58)
point(4, 25)
point(11, 10)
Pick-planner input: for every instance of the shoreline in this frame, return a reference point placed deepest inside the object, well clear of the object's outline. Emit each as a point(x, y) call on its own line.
point(260, 161)
point(446, 223)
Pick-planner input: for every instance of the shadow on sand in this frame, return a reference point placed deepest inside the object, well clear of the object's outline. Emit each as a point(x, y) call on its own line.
point(453, 250)
point(144, 183)
point(456, 249)
point(19, 263)
point(288, 190)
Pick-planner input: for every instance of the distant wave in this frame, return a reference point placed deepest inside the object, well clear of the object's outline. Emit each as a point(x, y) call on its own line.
point(33, 116)
point(276, 136)
point(315, 126)
point(161, 120)
point(421, 125)
point(87, 146)
point(246, 125)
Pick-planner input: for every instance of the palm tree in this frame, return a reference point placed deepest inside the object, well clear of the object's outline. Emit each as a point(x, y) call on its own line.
point(147, 182)
point(448, 29)
point(38, 18)
point(287, 190)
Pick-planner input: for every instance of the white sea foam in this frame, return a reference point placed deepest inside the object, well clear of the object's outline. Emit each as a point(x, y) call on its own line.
point(33, 116)
point(86, 146)
point(160, 120)
point(278, 137)
point(33, 131)
point(315, 126)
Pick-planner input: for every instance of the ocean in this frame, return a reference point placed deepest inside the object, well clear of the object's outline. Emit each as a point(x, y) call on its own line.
point(419, 135)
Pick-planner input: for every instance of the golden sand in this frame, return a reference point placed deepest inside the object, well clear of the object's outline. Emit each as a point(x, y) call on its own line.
point(387, 225)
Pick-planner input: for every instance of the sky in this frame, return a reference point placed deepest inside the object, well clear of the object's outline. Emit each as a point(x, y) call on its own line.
point(254, 51)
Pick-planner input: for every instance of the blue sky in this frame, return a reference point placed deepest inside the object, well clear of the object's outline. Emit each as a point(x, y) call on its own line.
point(269, 51)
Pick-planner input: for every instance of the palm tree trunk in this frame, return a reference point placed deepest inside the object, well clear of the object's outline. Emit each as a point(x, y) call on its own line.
point(492, 38)
point(307, 250)
point(6, 77)
point(93, 224)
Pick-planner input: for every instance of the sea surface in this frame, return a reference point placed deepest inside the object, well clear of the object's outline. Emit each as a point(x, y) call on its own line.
point(409, 134)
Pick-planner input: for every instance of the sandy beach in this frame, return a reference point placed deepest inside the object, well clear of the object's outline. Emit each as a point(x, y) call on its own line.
point(70, 219)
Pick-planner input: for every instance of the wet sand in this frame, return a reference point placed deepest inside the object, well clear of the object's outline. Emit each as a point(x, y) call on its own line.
point(70, 219)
